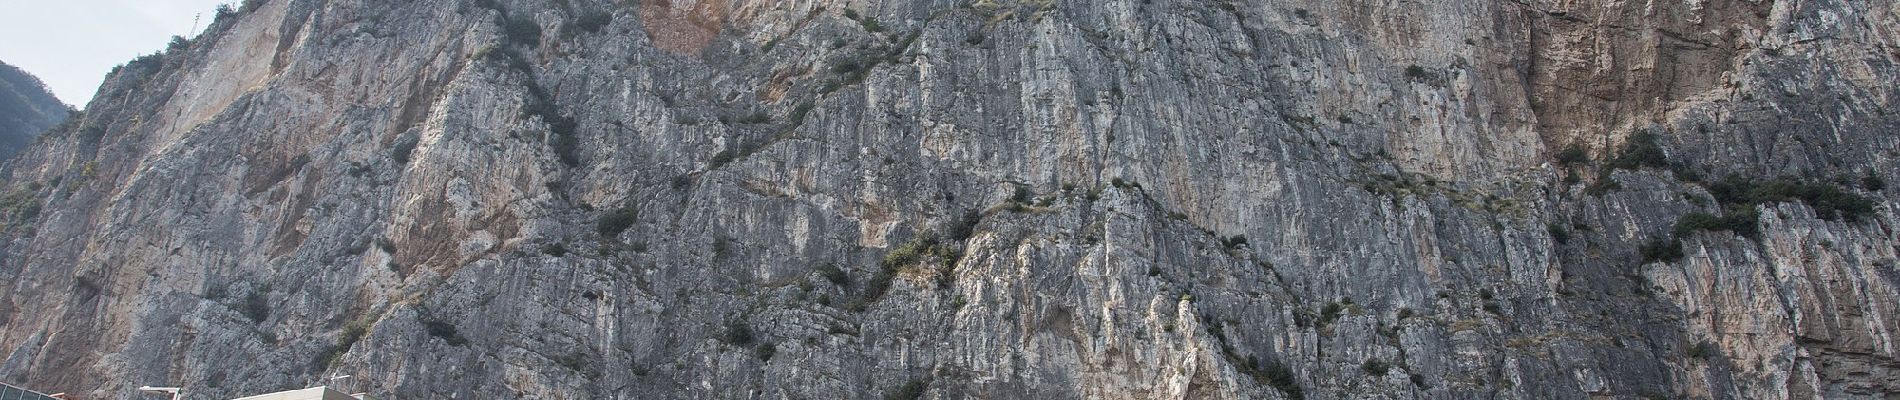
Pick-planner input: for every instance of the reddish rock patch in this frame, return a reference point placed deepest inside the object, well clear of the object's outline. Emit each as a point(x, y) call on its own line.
point(683, 26)
point(780, 84)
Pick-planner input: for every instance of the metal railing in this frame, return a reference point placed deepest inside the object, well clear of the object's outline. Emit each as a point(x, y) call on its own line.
point(10, 392)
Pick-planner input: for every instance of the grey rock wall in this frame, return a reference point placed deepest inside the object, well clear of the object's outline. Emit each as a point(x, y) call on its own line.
point(992, 199)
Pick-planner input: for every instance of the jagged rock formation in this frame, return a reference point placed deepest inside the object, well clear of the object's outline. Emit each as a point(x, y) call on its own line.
point(26, 109)
point(995, 199)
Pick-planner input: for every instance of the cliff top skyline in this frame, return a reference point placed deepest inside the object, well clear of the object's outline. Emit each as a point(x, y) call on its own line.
point(72, 44)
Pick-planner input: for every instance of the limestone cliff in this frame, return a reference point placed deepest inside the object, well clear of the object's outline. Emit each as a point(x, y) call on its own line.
point(1198, 199)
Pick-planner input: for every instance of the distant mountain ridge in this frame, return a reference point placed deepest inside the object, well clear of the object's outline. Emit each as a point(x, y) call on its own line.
point(26, 109)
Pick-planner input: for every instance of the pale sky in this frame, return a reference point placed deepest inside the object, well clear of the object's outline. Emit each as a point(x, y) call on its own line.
point(71, 44)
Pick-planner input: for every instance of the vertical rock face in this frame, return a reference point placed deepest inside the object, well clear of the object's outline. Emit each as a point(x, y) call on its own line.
point(26, 109)
point(994, 199)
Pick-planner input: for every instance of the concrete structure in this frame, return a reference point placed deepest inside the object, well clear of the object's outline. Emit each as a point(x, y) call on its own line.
point(315, 393)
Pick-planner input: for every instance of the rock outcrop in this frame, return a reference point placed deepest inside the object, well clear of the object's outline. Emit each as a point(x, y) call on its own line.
point(1197, 199)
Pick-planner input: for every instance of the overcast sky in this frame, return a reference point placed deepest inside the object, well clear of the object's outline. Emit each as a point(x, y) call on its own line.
point(71, 44)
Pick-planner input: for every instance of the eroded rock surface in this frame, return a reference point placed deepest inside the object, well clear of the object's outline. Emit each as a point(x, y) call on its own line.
point(992, 199)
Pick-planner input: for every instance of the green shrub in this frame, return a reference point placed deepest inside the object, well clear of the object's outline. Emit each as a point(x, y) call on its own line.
point(1273, 373)
point(522, 31)
point(591, 23)
point(1329, 313)
point(1605, 183)
point(847, 64)
point(1022, 195)
point(924, 245)
point(797, 117)
point(405, 147)
point(1833, 203)
point(508, 59)
point(1702, 350)
point(540, 104)
point(1045, 201)
point(256, 307)
point(961, 229)
point(352, 332)
point(1873, 183)
point(1558, 233)
point(1375, 367)
point(873, 290)
point(1233, 242)
point(1734, 189)
point(1417, 72)
point(738, 334)
point(722, 248)
point(566, 147)
point(556, 250)
point(722, 158)
point(909, 253)
point(1641, 150)
point(1663, 250)
point(575, 361)
point(617, 221)
point(1215, 327)
point(444, 331)
point(1573, 154)
point(323, 358)
point(765, 352)
point(1829, 201)
point(756, 117)
point(178, 44)
point(355, 330)
point(912, 390)
point(832, 273)
point(1741, 221)
point(1696, 221)
point(20, 205)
